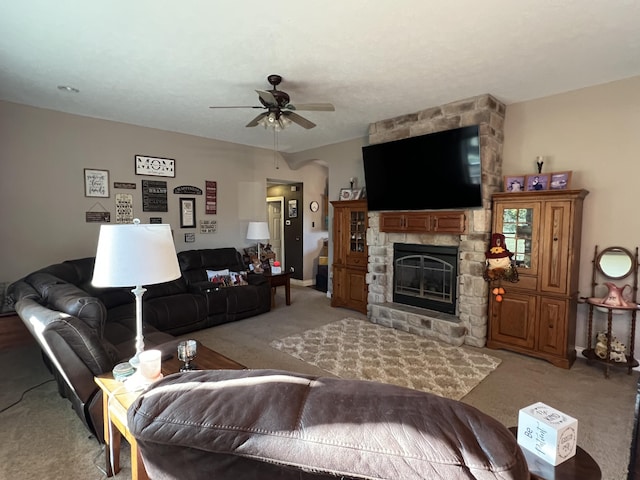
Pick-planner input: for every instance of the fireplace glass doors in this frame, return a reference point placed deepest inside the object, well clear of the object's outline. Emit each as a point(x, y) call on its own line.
point(425, 276)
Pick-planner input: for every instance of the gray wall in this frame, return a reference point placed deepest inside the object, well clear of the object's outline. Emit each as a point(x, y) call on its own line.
point(42, 204)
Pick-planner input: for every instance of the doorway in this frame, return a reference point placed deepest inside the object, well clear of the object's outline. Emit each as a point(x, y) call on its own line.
point(275, 217)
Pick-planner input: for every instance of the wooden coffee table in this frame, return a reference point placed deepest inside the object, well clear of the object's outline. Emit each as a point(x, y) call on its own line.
point(116, 400)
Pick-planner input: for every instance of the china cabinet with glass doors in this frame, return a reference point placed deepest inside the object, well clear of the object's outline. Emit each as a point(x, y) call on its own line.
point(350, 221)
point(536, 315)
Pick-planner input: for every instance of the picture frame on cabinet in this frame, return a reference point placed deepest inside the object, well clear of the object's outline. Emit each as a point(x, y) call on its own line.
point(537, 182)
point(346, 194)
point(560, 180)
point(356, 194)
point(514, 183)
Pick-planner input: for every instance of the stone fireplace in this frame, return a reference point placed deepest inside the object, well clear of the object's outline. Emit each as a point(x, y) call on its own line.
point(465, 322)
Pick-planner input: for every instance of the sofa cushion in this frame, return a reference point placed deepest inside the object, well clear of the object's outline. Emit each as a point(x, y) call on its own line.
point(195, 263)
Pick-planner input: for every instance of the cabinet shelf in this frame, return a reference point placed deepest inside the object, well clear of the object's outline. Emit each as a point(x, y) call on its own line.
point(590, 354)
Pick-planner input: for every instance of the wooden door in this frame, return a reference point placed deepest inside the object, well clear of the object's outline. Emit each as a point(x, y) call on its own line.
point(513, 320)
point(555, 245)
point(552, 329)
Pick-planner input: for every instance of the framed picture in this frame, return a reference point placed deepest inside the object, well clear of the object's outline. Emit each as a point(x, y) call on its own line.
point(160, 167)
point(539, 181)
point(293, 208)
point(560, 181)
point(356, 194)
point(514, 183)
point(346, 194)
point(187, 213)
point(96, 183)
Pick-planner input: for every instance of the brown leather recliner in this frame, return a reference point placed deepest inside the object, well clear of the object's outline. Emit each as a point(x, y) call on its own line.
point(267, 424)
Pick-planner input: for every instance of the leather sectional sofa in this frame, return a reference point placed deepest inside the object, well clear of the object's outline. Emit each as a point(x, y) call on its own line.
point(85, 331)
point(249, 424)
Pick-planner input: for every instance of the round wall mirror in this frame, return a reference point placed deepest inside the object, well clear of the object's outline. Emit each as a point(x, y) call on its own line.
point(615, 262)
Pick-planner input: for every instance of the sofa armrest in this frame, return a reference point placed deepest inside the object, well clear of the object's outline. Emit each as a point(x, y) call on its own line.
point(73, 347)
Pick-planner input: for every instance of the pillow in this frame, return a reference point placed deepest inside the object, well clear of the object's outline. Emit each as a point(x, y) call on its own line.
point(232, 279)
point(239, 278)
point(211, 274)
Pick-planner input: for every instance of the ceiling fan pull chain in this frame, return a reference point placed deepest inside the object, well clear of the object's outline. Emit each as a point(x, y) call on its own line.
point(275, 149)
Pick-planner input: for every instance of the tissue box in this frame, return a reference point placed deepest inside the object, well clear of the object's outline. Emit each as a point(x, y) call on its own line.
point(547, 432)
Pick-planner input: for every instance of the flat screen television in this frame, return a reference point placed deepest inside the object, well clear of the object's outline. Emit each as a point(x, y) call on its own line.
point(429, 172)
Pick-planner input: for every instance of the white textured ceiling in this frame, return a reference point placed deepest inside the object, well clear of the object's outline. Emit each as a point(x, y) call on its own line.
point(161, 63)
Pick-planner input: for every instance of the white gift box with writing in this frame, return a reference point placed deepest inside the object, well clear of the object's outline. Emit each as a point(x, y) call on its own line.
point(547, 432)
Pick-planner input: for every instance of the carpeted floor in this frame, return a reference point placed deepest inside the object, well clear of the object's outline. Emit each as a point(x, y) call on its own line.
point(43, 438)
point(354, 348)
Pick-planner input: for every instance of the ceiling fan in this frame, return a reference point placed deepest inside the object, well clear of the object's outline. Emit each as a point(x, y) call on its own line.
point(279, 111)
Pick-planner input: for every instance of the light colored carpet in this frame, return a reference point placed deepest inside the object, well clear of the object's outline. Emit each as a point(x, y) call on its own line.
point(353, 348)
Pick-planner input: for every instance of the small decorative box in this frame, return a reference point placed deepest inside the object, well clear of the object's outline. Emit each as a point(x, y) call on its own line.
point(547, 432)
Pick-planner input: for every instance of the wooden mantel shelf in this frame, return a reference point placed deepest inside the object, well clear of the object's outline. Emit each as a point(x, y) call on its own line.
point(450, 222)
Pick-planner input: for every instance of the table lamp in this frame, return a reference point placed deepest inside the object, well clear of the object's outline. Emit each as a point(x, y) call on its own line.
point(258, 231)
point(133, 255)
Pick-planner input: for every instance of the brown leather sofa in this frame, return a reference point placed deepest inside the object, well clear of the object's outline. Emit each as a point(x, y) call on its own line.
point(268, 424)
point(85, 331)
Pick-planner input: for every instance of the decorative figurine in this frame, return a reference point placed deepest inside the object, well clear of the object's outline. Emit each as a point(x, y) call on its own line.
point(499, 265)
point(618, 349)
point(539, 162)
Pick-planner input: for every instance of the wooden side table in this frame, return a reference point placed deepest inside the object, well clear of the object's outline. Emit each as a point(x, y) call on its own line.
point(581, 466)
point(276, 280)
point(13, 332)
point(116, 400)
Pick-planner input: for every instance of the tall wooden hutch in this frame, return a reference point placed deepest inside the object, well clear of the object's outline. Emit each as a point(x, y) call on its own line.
point(350, 221)
point(537, 314)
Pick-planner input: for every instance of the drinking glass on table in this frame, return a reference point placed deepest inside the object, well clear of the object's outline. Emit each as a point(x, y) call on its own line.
point(186, 353)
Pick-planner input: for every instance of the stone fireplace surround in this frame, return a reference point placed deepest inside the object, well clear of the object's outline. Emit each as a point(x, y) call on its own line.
point(469, 325)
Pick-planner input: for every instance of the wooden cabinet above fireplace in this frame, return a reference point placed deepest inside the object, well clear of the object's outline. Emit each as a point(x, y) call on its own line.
point(453, 222)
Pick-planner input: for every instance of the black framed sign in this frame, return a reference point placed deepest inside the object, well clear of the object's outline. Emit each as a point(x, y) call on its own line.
point(187, 213)
point(157, 166)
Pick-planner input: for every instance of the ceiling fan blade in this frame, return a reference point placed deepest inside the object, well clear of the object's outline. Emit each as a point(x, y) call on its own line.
point(239, 106)
point(267, 97)
point(303, 122)
point(254, 122)
point(318, 107)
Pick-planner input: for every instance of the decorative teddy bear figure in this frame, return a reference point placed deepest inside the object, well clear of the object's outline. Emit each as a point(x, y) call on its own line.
point(499, 265)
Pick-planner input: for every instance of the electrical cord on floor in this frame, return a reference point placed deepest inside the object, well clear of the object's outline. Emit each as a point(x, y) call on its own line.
point(95, 463)
point(23, 394)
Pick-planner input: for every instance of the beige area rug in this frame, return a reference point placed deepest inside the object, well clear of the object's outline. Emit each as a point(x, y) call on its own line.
point(352, 348)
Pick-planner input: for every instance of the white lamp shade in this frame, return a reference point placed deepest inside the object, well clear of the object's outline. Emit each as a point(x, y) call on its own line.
point(134, 255)
point(258, 231)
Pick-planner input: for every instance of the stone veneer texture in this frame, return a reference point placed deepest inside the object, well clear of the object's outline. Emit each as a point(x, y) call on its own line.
point(469, 325)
